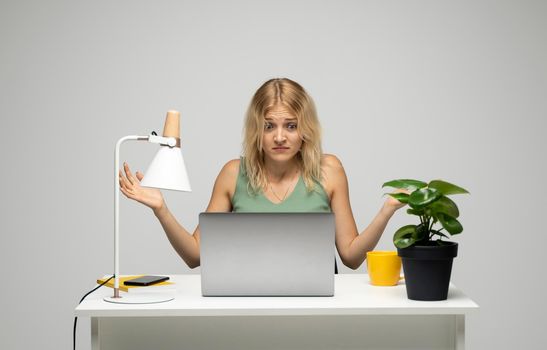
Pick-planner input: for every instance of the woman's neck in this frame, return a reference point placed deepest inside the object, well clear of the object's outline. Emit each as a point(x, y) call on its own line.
point(281, 171)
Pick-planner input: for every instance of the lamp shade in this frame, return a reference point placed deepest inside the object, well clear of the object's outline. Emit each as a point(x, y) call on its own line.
point(167, 171)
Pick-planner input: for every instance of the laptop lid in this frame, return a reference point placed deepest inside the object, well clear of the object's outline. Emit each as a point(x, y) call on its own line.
point(267, 254)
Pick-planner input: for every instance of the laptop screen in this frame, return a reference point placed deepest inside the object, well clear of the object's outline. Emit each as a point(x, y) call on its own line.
point(288, 254)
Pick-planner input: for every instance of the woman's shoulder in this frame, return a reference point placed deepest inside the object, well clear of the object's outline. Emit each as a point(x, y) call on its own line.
point(232, 164)
point(227, 177)
point(332, 171)
point(330, 163)
point(230, 170)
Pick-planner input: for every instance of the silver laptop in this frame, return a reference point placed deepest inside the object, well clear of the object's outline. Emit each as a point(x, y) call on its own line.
point(267, 254)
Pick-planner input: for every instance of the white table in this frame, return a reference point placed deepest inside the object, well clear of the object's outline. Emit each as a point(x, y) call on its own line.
point(359, 316)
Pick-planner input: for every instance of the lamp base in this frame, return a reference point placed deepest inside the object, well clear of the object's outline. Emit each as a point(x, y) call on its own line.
point(145, 298)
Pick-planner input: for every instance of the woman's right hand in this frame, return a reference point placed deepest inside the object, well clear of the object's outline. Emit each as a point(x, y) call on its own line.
point(131, 188)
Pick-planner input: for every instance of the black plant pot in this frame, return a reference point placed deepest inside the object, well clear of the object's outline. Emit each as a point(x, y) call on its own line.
point(427, 270)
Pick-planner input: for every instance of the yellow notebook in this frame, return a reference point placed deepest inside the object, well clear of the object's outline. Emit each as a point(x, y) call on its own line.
point(128, 288)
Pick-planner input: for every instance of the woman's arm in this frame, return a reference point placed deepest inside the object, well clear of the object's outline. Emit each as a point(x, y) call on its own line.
point(351, 245)
point(184, 243)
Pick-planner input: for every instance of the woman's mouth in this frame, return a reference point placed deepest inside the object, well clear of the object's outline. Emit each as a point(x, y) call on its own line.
point(280, 149)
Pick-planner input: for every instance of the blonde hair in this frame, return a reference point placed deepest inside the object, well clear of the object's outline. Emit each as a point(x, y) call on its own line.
point(289, 94)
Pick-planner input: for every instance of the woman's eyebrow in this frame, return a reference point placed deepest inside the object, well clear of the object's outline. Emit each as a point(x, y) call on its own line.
point(286, 120)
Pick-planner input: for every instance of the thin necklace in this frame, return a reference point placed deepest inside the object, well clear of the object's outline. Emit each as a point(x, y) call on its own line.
point(286, 192)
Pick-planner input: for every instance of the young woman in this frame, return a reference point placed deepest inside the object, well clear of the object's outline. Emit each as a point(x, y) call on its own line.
point(282, 169)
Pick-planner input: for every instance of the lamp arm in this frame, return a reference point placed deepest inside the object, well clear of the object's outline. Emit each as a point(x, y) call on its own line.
point(117, 209)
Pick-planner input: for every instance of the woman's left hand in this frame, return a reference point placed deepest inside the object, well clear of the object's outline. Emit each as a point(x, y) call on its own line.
point(393, 203)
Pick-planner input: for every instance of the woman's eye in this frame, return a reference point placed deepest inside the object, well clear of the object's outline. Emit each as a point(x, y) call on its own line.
point(268, 126)
point(291, 126)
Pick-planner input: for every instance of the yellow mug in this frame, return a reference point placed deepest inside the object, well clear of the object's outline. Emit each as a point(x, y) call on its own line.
point(384, 268)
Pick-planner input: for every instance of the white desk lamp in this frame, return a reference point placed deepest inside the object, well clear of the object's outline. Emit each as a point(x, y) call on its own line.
point(167, 171)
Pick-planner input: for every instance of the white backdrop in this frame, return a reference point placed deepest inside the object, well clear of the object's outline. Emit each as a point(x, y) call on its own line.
point(416, 89)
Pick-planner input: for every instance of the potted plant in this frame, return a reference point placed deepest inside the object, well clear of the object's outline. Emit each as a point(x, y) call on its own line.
point(426, 255)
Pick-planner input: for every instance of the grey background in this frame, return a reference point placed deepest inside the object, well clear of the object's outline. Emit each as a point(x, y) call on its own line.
point(419, 89)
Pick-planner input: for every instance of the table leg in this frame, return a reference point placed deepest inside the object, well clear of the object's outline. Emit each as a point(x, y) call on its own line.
point(459, 336)
point(95, 344)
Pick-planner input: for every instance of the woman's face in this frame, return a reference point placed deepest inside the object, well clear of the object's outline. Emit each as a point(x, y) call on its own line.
point(281, 140)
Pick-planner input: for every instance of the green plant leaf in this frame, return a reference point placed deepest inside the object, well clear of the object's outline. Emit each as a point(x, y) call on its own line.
point(447, 206)
point(450, 223)
point(446, 188)
point(404, 237)
point(401, 197)
point(418, 212)
point(407, 184)
point(423, 197)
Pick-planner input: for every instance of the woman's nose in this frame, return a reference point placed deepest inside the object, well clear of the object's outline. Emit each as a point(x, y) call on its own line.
point(279, 135)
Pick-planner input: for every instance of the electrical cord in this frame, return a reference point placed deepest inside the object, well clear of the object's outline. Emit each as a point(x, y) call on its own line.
point(76, 318)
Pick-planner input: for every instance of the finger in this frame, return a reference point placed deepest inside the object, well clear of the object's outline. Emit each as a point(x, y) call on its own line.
point(124, 182)
point(129, 190)
point(139, 175)
point(128, 186)
point(121, 178)
point(134, 180)
point(128, 173)
point(126, 193)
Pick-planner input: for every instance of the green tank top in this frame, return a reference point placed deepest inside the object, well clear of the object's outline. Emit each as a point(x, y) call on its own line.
point(299, 200)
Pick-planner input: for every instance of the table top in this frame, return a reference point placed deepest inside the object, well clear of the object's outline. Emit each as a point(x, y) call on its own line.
point(353, 295)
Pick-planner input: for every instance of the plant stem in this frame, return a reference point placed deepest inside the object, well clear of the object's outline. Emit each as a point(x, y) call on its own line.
point(428, 218)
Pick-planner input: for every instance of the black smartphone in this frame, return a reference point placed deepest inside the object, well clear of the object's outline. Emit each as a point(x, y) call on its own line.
point(145, 280)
